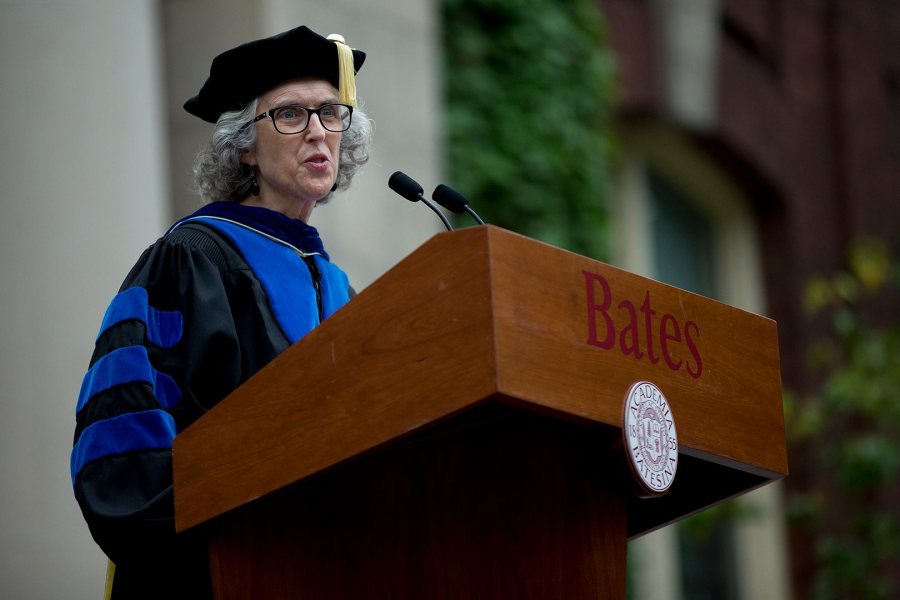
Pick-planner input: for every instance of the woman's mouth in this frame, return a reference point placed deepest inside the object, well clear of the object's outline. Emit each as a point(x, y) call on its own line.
point(317, 161)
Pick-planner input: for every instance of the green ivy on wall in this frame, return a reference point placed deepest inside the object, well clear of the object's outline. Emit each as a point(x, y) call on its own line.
point(853, 421)
point(528, 90)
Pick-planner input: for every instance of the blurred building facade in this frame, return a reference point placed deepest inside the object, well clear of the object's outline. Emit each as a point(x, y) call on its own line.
point(98, 164)
point(759, 138)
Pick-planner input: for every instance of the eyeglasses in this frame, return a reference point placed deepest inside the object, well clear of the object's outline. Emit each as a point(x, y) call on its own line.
point(294, 118)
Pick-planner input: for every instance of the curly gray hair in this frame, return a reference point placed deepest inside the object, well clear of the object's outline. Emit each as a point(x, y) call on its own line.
point(219, 173)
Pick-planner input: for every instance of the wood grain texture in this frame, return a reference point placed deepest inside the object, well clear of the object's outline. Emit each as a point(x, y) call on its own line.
point(732, 413)
point(493, 504)
point(483, 315)
point(409, 350)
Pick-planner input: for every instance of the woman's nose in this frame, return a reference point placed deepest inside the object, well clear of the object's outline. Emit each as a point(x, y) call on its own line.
point(315, 129)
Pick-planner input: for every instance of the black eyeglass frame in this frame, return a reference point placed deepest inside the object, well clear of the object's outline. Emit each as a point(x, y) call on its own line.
point(310, 112)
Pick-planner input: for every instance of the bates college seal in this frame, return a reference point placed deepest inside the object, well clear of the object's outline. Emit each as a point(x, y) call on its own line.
point(650, 438)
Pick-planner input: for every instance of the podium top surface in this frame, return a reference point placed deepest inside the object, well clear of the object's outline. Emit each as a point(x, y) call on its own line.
point(481, 315)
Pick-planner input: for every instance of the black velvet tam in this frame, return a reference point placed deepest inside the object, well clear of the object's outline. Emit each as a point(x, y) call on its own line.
point(240, 75)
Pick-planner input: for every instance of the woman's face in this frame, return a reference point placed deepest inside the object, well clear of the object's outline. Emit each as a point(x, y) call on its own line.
point(295, 171)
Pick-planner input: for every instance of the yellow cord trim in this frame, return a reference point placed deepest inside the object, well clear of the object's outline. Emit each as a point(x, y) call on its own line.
point(110, 575)
point(347, 79)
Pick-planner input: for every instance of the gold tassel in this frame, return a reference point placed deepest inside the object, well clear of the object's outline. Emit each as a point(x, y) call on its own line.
point(110, 575)
point(347, 79)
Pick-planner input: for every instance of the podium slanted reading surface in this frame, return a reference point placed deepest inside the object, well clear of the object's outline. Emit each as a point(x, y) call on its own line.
point(455, 431)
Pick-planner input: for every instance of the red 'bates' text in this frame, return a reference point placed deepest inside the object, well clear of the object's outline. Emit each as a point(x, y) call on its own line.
point(643, 335)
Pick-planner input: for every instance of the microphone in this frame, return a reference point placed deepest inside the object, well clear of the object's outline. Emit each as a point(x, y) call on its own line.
point(453, 201)
point(406, 186)
point(409, 188)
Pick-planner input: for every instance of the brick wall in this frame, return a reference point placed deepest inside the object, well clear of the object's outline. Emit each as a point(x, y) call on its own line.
point(808, 121)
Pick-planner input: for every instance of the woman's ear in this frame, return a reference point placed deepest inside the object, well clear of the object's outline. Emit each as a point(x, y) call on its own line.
point(248, 157)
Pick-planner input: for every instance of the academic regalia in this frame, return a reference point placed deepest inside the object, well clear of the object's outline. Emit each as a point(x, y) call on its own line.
point(205, 307)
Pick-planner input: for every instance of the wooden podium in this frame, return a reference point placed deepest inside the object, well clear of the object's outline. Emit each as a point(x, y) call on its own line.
point(455, 431)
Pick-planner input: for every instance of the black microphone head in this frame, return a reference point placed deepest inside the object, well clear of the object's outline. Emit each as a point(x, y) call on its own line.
point(405, 185)
point(450, 199)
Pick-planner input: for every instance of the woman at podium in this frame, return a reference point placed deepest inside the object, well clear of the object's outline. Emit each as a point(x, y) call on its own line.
point(219, 295)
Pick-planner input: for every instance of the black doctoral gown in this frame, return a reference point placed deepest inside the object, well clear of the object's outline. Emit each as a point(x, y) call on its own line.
point(204, 308)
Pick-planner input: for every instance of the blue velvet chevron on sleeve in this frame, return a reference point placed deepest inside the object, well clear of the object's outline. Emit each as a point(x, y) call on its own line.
point(167, 345)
